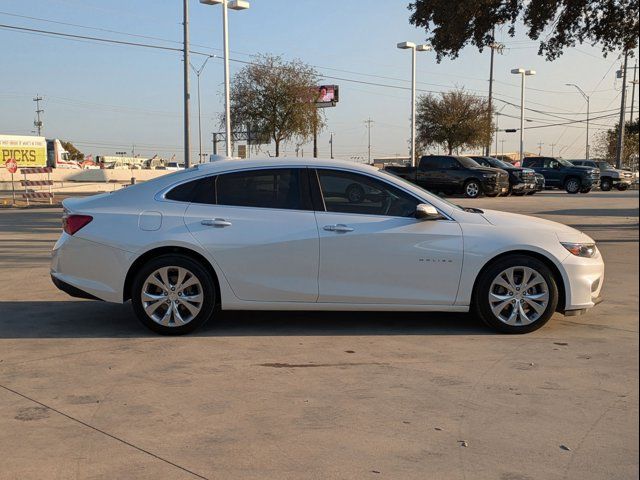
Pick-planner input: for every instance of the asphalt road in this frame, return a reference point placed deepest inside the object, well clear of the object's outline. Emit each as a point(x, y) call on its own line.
point(86, 392)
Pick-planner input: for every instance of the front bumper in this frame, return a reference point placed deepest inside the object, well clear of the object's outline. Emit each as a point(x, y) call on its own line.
point(583, 283)
point(523, 187)
point(492, 187)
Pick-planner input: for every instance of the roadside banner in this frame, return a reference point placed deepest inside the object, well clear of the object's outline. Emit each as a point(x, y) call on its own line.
point(26, 151)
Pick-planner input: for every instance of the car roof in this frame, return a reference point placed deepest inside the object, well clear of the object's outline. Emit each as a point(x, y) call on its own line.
point(279, 162)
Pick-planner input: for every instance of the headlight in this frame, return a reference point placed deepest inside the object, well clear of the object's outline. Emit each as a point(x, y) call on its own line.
point(587, 250)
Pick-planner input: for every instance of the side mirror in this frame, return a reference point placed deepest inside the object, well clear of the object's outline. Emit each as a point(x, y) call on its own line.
point(427, 212)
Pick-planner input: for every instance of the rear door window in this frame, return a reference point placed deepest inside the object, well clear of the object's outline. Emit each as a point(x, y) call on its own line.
point(281, 188)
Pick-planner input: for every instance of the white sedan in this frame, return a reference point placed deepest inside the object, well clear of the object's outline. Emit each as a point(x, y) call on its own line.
point(282, 235)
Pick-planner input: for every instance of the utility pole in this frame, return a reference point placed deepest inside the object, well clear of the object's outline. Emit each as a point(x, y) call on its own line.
point(633, 88)
point(369, 122)
point(540, 144)
point(620, 146)
point(38, 121)
point(331, 144)
point(215, 143)
point(502, 145)
point(185, 31)
point(553, 146)
point(499, 47)
point(496, 134)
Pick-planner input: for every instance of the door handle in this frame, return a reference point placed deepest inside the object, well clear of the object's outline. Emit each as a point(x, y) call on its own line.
point(216, 222)
point(340, 228)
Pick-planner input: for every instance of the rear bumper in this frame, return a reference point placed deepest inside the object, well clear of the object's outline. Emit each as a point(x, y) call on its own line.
point(87, 269)
point(71, 290)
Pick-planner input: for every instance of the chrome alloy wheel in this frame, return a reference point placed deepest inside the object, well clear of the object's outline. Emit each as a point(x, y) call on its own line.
point(172, 296)
point(518, 296)
point(472, 189)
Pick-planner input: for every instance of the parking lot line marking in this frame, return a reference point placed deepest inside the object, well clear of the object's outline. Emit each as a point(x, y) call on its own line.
point(140, 449)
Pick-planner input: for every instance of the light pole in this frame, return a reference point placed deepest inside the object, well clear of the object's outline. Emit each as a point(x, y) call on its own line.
point(198, 71)
point(233, 5)
point(586, 97)
point(523, 73)
point(420, 48)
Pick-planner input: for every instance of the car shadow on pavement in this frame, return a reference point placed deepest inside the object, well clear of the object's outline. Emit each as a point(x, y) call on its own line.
point(87, 319)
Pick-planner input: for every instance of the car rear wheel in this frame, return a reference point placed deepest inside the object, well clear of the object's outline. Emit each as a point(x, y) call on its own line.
point(472, 189)
point(572, 185)
point(606, 184)
point(516, 294)
point(173, 295)
point(622, 187)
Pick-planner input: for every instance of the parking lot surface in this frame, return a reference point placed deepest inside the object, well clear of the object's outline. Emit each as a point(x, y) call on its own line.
point(87, 392)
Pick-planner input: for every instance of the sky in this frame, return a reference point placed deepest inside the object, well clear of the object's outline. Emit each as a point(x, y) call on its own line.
point(108, 98)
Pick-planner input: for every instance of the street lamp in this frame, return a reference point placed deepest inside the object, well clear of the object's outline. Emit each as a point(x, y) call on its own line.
point(420, 48)
point(198, 71)
point(233, 5)
point(586, 97)
point(523, 73)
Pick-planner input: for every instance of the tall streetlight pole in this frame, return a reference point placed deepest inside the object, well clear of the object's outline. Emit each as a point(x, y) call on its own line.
point(623, 100)
point(420, 48)
point(233, 5)
point(586, 97)
point(523, 73)
point(185, 31)
point(198, 71)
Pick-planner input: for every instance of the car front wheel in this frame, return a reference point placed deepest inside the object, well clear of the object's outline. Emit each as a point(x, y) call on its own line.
point(606, 184)
point(173, 295)
point(472, 189)
point(572, 185)
point(622, 187)
point(516, 294)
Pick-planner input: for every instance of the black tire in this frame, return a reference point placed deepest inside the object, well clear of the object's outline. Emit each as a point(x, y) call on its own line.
point(519, 194)
point(572, 185)
point(491, 195)
point(207, 287)
point(485, 280)
point(355, 193)
point(532, 192)
point(472, 189)
point(622, 187)
point(606, 184)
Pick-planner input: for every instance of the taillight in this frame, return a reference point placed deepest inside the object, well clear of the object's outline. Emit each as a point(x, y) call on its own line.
point(72, 223)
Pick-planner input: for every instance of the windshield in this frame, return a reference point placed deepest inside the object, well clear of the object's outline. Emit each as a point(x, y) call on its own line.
point(413, 185)
point(565, 163)
point(468, 162)
point(604, 166)
point(494, 162)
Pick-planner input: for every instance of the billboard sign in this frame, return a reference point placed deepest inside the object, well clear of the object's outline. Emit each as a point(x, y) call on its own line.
point(326, 96)
point(27, 151)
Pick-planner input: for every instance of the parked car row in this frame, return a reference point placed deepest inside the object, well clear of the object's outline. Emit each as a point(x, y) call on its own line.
point(473, 176)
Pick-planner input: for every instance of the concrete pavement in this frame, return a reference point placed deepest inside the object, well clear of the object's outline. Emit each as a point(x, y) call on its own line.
point(86, 392)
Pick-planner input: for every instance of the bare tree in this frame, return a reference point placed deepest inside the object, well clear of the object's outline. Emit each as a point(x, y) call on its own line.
point(453, 119)
point(276, 98)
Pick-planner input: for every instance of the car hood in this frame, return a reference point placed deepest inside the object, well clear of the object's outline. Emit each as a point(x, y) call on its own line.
point(497, 171)
point(534, 224)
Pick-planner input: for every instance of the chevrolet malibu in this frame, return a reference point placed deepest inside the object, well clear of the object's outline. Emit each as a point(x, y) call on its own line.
point(265, 235)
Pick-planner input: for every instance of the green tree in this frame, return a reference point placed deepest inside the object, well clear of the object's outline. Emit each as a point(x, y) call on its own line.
point(453, 119)
point(74, 153)
point(450, 26)
point(276, 98)
point(606, 144)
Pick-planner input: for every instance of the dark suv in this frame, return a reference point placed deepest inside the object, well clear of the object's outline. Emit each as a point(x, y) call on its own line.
point(559, 173)
point(451, 174)
point(522, 181)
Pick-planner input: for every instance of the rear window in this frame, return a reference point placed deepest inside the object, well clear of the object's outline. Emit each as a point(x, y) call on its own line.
point(201, 190)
